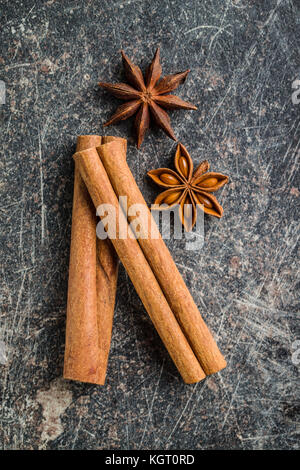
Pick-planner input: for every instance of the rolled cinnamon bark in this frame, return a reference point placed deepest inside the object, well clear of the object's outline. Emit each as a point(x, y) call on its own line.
point(92, 284)
point(137, 267)
point(162, 264)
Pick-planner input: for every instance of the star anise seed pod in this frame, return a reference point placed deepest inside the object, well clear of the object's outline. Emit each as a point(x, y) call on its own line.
point(146, 97)
point(187, 189)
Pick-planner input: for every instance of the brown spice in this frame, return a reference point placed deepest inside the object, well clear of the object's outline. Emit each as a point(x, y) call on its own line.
point(134, 261)
point(92, 285)
point(146, 97)
point(187, 189)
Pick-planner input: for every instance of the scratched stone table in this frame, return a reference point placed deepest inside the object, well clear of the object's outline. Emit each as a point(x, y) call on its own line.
point(244, 58)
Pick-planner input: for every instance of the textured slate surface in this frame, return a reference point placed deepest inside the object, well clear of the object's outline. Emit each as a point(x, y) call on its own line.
point(243, 56)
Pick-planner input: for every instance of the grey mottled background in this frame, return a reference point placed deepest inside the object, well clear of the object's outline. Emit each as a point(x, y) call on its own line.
point(244, 57)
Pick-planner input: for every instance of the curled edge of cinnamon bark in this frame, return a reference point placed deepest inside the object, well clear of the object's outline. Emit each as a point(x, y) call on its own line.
point(138, 269)
point(93, 272)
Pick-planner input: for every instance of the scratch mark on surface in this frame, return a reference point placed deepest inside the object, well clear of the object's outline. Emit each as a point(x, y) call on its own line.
point(231, 402)
point(18, 305)
point(270, 18)
point(8, 124)
point(203, 26)
point(29, 13)
point(42, 192)
point(3, 358)
point(15, 66)
point(152, 403)
point(21, 228)
point(181, 414)
point(33, 242)
point(76, 432)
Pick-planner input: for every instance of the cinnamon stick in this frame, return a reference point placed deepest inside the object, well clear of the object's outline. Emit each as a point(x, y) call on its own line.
point(162, 264)
point(93, 274)
point(137, 267)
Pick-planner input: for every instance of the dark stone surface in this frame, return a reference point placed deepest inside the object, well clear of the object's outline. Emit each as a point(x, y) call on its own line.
point(244, 57)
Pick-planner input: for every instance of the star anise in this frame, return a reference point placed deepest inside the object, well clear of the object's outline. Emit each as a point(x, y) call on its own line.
point(187, 189)
point(147, 96)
